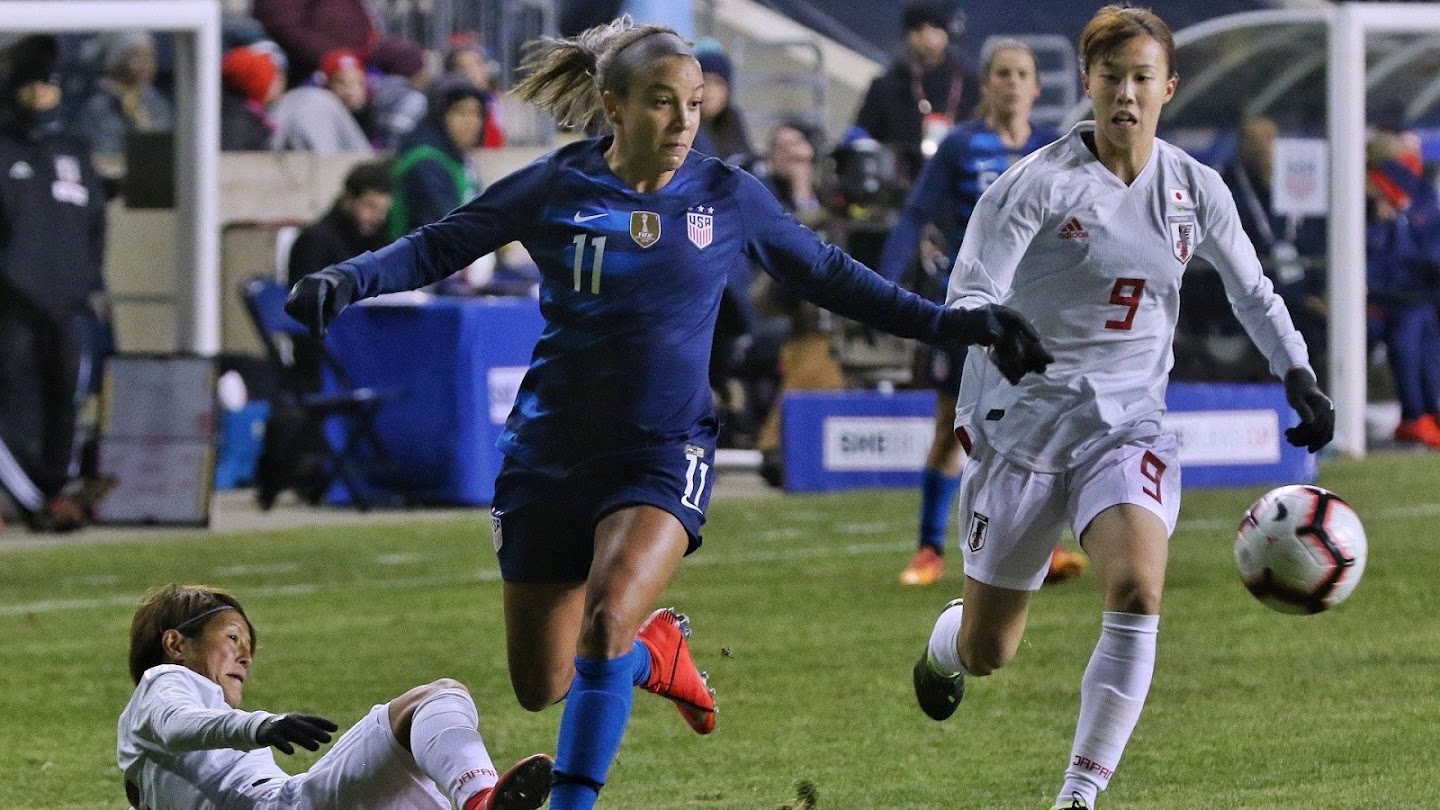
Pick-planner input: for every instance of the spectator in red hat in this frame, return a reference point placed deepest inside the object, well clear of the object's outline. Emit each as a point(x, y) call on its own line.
point(251, 82)
point(314, 118)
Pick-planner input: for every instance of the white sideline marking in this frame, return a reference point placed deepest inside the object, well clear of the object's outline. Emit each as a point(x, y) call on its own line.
point(403, 558)
point(705, 560)
point(246, 570)
point(95, 580)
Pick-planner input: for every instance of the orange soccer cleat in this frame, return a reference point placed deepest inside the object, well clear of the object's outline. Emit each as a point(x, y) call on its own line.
point(925, 568)
point(1424, 430)
point(1065, 565)
point(672, 672)
point(525, 786)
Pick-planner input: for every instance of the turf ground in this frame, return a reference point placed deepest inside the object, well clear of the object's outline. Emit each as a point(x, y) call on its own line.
point(809, 639)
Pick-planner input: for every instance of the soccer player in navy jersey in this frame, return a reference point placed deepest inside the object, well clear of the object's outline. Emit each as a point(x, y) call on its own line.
point(610, 445)
point(967, 161)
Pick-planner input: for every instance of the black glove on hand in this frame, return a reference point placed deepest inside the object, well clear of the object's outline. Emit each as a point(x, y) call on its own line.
point(317, 298)
point(1015, 346)
point(1317, 412)
point(305, 730)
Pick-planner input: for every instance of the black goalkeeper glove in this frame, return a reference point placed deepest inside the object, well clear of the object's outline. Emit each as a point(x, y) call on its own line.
point(1014, 345)
point(317, 298)
point(1317, 412)
point(305, 730)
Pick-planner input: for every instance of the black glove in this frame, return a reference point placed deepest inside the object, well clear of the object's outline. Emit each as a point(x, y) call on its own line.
point(305, 730)
point(317, 298)
point(1317, 412)
point(1015, 346)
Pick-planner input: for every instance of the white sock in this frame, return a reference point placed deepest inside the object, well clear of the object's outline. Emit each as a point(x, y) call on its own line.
point(1112, 693)
point(944, 641)
point(447, 745)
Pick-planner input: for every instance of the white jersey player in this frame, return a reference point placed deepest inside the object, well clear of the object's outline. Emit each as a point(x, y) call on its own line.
point(185, 744)
point(1089, 238)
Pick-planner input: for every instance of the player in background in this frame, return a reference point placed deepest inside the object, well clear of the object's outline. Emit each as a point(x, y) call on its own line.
point(1089, 237)
point(964, 165)
point(610, 445)
point(184, 743)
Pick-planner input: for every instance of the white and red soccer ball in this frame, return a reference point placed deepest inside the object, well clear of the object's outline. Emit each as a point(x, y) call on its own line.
point(1300, 549)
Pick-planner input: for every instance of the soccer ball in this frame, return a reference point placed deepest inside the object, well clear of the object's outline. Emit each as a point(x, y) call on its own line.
point(1300, 549)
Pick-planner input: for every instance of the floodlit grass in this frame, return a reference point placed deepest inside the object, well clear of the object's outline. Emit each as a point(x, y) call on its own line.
point(809, 638)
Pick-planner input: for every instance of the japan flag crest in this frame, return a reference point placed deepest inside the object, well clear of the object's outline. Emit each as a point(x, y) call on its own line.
point(699, 226)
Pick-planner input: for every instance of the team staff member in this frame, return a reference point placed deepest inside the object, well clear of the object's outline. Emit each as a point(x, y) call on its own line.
point(184, 743)
point(52, 249)
point(610, 446)
point(969, 159)
point(922, 94)
point(1090, 237)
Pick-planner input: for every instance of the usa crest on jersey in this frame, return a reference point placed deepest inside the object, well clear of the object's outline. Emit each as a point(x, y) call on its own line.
point(1182, 236)
point(700, 226)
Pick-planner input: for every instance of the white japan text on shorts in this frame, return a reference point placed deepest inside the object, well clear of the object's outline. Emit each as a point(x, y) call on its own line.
point(1011, 517)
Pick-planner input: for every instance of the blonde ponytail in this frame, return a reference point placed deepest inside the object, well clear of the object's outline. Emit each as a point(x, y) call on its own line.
point(566, 77)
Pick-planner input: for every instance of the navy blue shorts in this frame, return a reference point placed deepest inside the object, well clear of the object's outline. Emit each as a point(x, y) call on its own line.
point(943, 367)
point(544, 526)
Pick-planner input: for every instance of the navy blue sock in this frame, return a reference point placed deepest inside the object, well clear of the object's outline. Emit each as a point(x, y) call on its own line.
point(937, 496)
point(596, 713)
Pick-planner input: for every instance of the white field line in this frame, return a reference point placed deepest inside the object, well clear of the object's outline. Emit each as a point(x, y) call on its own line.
point(706, 558)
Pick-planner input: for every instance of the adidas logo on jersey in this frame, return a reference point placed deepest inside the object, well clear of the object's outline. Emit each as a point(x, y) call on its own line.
point(1072, 229)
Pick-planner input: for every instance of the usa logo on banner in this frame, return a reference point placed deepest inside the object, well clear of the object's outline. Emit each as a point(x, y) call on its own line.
point(700, 226)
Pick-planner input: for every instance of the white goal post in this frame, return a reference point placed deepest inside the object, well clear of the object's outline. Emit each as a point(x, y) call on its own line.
point(196, 26)
point(1349, 25)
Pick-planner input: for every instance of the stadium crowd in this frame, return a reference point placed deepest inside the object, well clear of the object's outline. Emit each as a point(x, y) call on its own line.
point(325, 77)
point(933, 131)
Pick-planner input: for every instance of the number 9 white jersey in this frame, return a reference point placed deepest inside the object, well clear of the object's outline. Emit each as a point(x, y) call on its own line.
point(1096, 266)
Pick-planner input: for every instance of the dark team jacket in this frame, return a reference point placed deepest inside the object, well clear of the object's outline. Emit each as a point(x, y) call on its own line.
point(52, 220)
point(630, 290)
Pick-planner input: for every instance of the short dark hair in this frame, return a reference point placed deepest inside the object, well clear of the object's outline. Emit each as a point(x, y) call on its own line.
point(187, 608)
point(1113, 26)
point(927, 12)
point(372, 175)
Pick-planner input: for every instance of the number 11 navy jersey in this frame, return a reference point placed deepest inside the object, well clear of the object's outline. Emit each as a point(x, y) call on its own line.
point(630, 290)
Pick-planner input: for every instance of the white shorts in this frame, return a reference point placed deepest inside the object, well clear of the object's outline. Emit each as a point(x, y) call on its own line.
point(366, 769)
point(1013, 516)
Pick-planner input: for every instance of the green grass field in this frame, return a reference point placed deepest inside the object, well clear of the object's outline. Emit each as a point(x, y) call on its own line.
point(809, 639)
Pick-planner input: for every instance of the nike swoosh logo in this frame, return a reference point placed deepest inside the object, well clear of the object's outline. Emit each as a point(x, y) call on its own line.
point(579, 218)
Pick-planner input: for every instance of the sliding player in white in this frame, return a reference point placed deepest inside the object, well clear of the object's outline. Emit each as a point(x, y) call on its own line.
point(1089, 238)
point(185, 744)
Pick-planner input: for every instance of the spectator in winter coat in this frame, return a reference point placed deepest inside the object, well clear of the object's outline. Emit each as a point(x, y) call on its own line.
point(433, 171)
point(353, 225)
point(313, 118)
point(468, 58)
point(397, 91)
point(723, 132)
point(126, 100)
point(923, 93)
point(251, 82)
